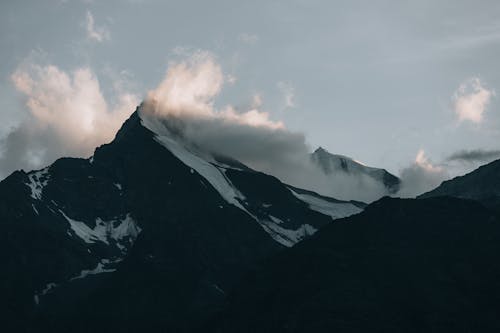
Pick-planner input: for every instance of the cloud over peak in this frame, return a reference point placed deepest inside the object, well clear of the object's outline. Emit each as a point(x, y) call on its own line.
point(189, 90)
point(421, 176)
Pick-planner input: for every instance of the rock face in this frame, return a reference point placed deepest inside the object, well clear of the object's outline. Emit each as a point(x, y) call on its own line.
point(427, 265)
point(482, 184)
point(332, 163)
point(146, 234)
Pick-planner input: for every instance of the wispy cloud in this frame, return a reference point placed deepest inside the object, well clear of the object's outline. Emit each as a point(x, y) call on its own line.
point(471, 100)
point(474, 156)
point(288, 92)
point(95, 33)
point(248, 38)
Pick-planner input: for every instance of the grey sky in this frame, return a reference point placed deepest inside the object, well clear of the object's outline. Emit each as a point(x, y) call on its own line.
point(375, 80)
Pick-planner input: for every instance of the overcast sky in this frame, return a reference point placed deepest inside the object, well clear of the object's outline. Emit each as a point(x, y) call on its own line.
point(385, 82)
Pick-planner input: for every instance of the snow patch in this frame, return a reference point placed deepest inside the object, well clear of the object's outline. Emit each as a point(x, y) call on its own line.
point(100, 268)
point(48, 288)
point(37, 181)
point(286, 237)
point(335, 210)
point(104, 231)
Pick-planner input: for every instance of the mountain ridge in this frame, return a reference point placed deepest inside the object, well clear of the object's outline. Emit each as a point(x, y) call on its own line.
point(331, 164)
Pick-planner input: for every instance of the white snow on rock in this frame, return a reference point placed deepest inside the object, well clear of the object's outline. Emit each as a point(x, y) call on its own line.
point(100, 268)
point(37, 181)
point(34, 209)
point(49, 287)
point(336, 210)
point(103, 231)
point(286, 237)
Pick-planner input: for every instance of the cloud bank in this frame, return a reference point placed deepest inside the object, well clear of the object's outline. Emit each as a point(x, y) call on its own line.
point(471, 100)
point(186, 100)
point(67, 116)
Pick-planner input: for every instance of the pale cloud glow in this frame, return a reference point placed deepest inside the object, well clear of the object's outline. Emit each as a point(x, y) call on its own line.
point(98, 34)
point(256, 101)
point(471, 100)
point(67, 116)
point(189, 89)
point(421, 176)
point(423, 161)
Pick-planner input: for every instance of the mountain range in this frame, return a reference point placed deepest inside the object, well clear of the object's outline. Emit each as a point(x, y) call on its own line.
point(152, 233)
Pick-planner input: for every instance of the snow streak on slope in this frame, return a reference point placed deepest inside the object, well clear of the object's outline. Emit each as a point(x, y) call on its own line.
point(207, 170)
point(333, 209)
point(286, 237)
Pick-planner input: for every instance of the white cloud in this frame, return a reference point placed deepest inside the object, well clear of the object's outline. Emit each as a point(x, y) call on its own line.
point(288, 92)
point(248, 38)
point(67, 116)
point(471, 100)
point(190, 88)
point(421, 176)
point(98, 34)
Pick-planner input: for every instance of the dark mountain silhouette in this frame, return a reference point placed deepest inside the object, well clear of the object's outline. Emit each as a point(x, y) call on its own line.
point(425, 265)
point(482, 184)
point(147, 234)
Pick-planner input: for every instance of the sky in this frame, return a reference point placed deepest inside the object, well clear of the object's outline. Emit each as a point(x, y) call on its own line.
point(401, 85)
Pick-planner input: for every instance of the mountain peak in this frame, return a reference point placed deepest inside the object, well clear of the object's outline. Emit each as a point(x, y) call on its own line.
point(334, 163)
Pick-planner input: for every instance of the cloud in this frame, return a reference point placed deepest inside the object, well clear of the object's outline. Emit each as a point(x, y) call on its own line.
point(471, 100)
point(421, 176)
point(67, 116)
point(288, 92)
point(185, 100)
point(98, 34)
point(189, 89)
point(474, 156)
point(248, 38)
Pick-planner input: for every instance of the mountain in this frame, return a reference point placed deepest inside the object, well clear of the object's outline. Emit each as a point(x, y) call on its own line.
point(482, 184)
point(402, 265)
point(332, 163)
point(147, 234)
